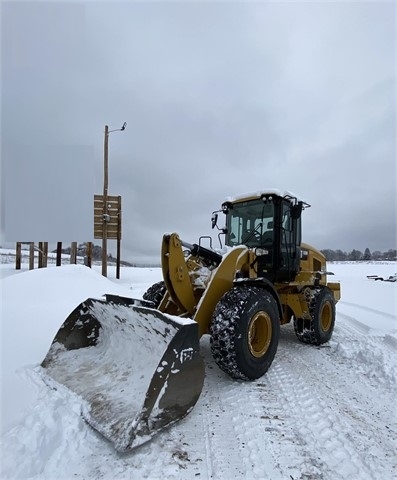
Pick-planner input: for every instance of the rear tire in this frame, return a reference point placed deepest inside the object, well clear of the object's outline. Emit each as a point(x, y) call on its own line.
point(155, 293)
point(245, 331)
point(319, 329)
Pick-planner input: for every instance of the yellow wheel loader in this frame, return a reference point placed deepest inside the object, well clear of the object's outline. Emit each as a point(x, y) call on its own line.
point(136, 364)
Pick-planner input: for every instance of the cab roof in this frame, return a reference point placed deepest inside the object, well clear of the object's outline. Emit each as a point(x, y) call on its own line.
point(265, 192)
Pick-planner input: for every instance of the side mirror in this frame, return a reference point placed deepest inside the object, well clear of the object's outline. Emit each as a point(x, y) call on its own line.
point(214, 220)
point(296, 210)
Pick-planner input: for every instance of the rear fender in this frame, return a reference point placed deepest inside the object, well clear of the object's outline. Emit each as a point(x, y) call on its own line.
point(335, 289)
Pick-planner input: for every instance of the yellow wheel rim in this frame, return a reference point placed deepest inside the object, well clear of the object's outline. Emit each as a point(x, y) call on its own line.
point(326, 317)
point(259, 334)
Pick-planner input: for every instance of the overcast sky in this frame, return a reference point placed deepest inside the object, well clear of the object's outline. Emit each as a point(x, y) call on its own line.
point(220, 98)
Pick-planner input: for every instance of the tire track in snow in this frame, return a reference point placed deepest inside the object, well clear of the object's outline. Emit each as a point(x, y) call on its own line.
point(210, 429)
point(219, 432)
point(343, 428)
point(317, 427)
point(366, 309)
point(230, 412)
point(354, 325)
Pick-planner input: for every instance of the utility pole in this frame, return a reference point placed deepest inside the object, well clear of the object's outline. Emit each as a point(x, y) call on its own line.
point(105, 203)
point(105, 213)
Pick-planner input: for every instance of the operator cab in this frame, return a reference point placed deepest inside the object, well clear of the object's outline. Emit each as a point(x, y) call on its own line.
point(270, 223)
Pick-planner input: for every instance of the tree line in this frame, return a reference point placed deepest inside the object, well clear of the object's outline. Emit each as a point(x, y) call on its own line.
point(330, 255)
point(96, 253)
point(357, 256)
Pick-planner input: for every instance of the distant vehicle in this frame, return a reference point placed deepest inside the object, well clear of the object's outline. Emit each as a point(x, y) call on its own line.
point(392, 278)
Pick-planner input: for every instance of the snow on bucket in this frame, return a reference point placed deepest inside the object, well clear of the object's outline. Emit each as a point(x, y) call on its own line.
point(137, 369)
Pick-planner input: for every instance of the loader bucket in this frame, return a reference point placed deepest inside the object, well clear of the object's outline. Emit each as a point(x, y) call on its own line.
point(137, 370)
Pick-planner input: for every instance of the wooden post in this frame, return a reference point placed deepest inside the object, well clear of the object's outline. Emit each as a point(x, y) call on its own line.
point(31, 255)
point(89, 254)
point(40, 260)
point(45, 254)
point(118, 239)
point(73, 253)
point(59, 254)
point(118, 259)
point(105, 204)
point(18, 256)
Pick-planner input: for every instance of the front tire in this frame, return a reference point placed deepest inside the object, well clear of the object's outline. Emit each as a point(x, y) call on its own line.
point(319, 329)
point(245, 331)
point(155, 293)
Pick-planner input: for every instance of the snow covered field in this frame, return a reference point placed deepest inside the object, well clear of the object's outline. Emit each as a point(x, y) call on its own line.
point(321, 413)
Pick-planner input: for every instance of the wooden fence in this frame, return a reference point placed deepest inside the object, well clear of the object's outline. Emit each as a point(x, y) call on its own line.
point(42, 254)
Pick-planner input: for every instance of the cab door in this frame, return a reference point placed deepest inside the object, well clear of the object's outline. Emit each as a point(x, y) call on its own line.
point(289, 244)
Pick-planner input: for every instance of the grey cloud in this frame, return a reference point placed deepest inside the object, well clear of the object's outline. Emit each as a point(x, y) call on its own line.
point(220, 99)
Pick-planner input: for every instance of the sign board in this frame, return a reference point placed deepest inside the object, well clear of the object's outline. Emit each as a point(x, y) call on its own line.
point(113, 222)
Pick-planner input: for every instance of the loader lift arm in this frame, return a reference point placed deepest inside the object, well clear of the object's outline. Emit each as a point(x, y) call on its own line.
point(176, 272)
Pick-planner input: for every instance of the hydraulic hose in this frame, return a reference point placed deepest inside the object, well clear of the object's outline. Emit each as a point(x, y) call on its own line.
point(203, 252)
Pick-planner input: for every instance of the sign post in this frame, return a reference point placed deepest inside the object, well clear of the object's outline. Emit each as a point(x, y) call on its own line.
point(113, 223)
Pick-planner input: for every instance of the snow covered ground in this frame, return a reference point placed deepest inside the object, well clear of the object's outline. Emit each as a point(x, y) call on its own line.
point(319, 413)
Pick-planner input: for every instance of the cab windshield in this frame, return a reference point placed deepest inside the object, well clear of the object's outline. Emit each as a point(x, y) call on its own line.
point(250, 223)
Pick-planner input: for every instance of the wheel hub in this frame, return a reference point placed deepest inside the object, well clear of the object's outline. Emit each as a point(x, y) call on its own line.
point(326, 317)
point(259, 334)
